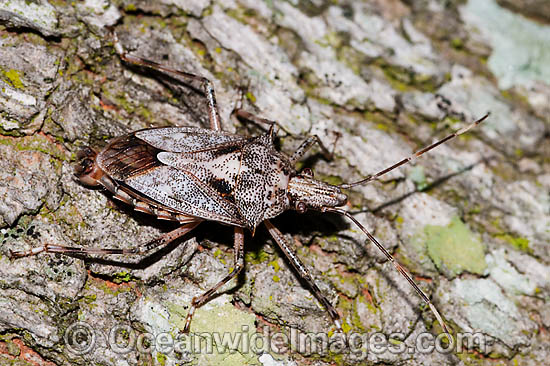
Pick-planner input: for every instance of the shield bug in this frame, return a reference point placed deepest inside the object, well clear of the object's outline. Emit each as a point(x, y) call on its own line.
point(189, 175)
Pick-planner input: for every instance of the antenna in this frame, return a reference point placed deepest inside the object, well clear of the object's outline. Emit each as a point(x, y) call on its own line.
point(415, 155)
point(397, 266)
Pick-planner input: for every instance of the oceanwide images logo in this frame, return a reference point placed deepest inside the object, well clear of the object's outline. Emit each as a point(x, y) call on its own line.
point(81, 338)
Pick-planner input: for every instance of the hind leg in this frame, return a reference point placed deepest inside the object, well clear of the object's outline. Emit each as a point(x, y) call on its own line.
point(88, 251)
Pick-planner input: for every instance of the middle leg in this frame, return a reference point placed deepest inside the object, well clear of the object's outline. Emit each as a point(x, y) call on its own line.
point(197, 302)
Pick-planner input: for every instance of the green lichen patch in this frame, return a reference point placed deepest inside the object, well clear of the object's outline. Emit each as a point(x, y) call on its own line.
point(530, 59)
point(403, 79)
point(222, 342)
point(112, 288)
point(12, 77)
point(121, 277)
point(330, 179)
point(517, 242)
point(418, 177)
point(256, 256)
point(130, 8)
point(37, 142)
point(453, 249)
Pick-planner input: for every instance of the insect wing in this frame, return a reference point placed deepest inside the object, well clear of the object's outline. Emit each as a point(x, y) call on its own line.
point(187, 139)
point(249, 173)
point(184, 193)
point(133, 162)
point(127, 156)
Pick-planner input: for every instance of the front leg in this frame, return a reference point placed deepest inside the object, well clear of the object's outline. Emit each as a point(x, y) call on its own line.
point(308, 143)
point(304, 146)
point(303, 272)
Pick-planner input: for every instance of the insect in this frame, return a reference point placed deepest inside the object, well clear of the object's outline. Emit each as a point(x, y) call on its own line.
point(190, 175)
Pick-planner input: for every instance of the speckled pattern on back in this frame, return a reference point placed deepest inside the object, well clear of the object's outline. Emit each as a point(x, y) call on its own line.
point(215, 176)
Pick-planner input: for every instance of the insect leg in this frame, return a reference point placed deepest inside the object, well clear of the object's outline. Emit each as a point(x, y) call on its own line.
point(197, 302)
point(87, 251)
point(303, 272)
point(308, 143)
point(181, 76)
point(303, 148)
point(241, 113)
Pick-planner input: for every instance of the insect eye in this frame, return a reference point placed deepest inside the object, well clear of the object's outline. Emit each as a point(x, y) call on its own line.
point(87, 164)
point(301, 207)
point(307, 172)
point(85, 167)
